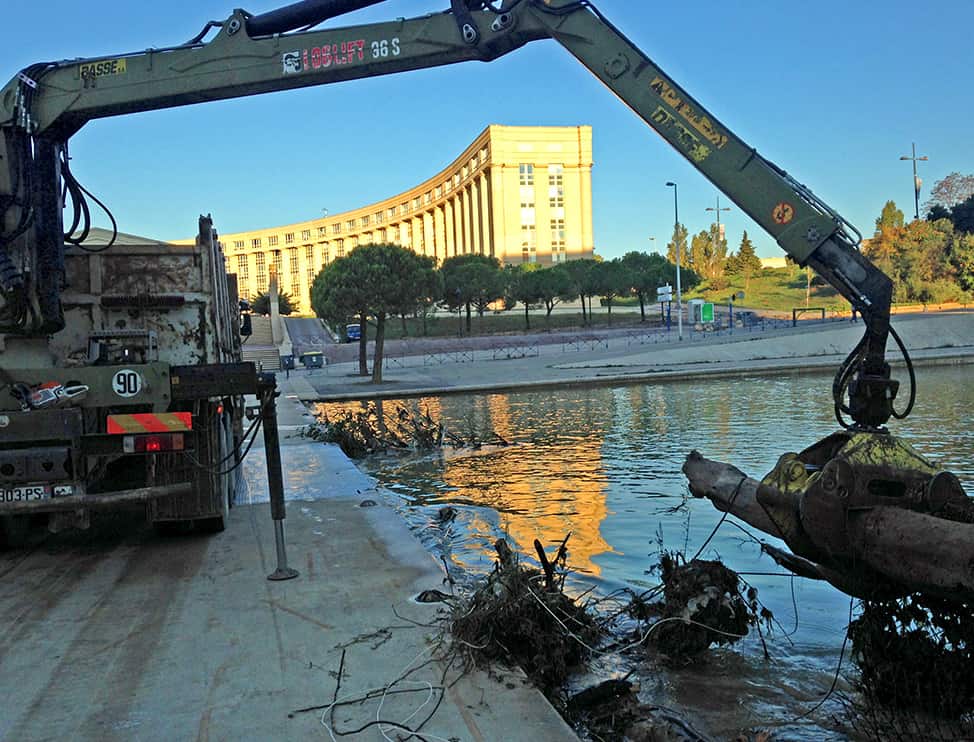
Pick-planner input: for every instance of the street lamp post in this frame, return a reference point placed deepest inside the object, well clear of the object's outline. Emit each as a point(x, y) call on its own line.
point(676, 244)
point(916, 180)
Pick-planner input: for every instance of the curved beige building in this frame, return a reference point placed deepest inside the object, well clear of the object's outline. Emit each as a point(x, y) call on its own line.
point(522, 194)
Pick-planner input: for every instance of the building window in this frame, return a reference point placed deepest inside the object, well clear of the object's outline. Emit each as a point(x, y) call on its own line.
point(428, 198)
point(278, 258)
point(309, 262)
point(556, 191)
point(272, 240)
point(366, 220)
point(255, 243)
point(336, 228)
point(325, 254)
point(351, 225)
point(261, 273)
point(238, 244)
point(558, 240)
point(407, 234)
point(243, 276)
point(403, 208)
point(295, 266)
point(381, 235)
point(354, 242)
point(379, 217)
point(340, 248)
point(438, 191)
point(322, 231)
point(526, 174)
point(392, 211)
point(529, 244)
point(305, 234)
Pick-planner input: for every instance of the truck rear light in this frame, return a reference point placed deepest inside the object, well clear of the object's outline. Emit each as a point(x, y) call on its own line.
point(153, 443)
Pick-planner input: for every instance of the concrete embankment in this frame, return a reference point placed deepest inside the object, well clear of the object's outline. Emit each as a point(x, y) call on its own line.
point(930, 338)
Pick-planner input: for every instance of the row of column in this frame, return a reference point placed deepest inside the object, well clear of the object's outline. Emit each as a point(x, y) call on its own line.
point(455, 226)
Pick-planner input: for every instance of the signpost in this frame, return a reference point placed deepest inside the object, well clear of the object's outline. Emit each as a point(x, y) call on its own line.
point(664, 295)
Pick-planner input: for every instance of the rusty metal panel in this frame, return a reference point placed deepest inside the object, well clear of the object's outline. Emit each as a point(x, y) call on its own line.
point(217, 380)
point(179, 292)
point(153, 387)
point(51, 425)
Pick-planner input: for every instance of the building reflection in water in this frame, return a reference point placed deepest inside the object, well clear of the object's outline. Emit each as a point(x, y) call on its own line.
point(542, 486)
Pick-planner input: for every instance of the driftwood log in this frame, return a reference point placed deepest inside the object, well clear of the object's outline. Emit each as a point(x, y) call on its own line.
point(898, 551)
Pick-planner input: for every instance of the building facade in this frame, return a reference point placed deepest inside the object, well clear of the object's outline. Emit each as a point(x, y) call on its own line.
point(522, 194)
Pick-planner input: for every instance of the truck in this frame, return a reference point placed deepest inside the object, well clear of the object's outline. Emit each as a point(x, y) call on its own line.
point(128, 403)
point(46, 104)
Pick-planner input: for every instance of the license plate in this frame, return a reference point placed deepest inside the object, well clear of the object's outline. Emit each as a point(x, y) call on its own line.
point(27, 492)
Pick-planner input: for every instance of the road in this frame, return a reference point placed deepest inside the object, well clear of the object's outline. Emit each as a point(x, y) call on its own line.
point(307, 334)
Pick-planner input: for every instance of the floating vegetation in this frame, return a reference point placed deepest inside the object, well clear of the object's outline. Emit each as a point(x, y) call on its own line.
point(372, 430)
point(521, 617)
point(702, 605)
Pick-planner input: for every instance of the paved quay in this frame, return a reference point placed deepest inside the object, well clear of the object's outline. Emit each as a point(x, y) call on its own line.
point(120, 634)
point(930, 338)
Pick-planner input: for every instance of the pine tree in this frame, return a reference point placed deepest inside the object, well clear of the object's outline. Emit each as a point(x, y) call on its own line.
point(679, 237)
point(747, 260)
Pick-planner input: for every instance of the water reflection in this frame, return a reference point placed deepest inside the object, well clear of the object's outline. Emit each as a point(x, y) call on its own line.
point(605, 464)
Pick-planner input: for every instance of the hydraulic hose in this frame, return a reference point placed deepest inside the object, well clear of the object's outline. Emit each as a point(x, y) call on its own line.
point(301, 14)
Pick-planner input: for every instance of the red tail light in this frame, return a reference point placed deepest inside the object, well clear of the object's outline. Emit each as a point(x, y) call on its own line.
point(153, 443)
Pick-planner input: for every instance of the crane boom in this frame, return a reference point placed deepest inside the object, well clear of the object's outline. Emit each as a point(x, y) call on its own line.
point(46, 104)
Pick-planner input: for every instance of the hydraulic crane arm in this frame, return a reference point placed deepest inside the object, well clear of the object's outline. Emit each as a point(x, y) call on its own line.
point(47, 103)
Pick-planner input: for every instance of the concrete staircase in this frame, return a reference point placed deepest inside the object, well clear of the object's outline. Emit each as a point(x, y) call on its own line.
point(260, 348)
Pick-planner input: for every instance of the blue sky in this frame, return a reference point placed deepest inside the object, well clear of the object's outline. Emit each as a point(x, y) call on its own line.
point(834, 92)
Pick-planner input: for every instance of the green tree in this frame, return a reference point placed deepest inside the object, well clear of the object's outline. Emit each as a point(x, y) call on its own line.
point(262, 303)
point(962, 215)
point(340, 293)
point(679, 238)
point(471, 281)
point(554, 285)
point(585, 285)
point(883, 246)
point(523, 285)
point(612, 280)
point(646, 274)
point(745, 262)
point(386, 280)
point(701, 247)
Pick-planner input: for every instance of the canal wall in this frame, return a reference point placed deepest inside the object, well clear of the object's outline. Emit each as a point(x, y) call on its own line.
point(952, 333)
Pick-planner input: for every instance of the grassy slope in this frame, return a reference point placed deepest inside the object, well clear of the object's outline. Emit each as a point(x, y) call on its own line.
point(773, 289)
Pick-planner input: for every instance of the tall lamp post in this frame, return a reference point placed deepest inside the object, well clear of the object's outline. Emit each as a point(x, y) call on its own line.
point(916, 180)
point(676, 244)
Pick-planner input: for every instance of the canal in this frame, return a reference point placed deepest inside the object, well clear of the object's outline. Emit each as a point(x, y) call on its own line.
point(604, 464)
